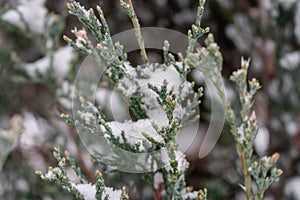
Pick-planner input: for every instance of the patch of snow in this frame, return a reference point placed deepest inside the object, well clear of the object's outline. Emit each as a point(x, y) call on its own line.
point(180, 157)
point(240, 35)
point(241, 134)
point(291, 189)
point(162, 3)
point(133, 131)
point(297, 22)
point(113, 194)
point(273, 89)
point(290, 61)
point(61, 64)
point(52, 173)
point(189, 195)
point(292, 128)
point(287, 4)
point(35, 131)
point(261, 141)
point(28, 12)
point(87, 190)
point(158, 179)
point(184, 17)
point(290, 124)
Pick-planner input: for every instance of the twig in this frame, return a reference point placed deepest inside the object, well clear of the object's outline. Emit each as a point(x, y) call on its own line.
point(81, 161)
point(138, 33)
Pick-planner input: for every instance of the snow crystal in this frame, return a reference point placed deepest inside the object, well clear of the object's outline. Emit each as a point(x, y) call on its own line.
point(33, 12)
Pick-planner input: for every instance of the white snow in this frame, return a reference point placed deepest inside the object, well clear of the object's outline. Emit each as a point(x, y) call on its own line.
point(133, 131)
point(261, 141)
point(291, 189)
point(52, 173)
point(65, 92)
point(155, 75)
point(33, 12)
point(87, 190)
point(61, 64)
point(189, 195)
point(180, 157)
point(291, 60)
point(297, 22)
point(184, 17)
point(158, 116)
point(291, 126)
point(226, 3)
point(35, 131)
point(158, 179)
point(287, 4)
point(113, 194)
point(241, 134)
point(240, 35)
point(273, 89)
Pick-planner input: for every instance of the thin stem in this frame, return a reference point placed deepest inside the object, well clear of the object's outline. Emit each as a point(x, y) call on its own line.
point(248, 185)
point(138, 34)
point(247, 176)
point(80, 156)
point(261, 194)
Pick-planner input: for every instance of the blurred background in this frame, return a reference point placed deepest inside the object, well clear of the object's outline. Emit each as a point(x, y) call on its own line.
point(37, 70)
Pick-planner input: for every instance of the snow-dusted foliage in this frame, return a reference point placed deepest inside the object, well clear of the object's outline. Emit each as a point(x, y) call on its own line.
point(29, 14)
